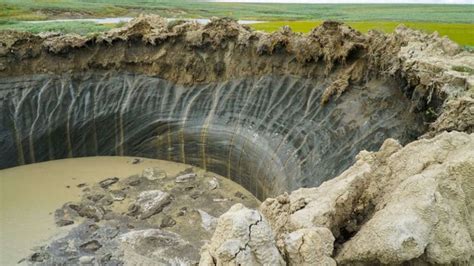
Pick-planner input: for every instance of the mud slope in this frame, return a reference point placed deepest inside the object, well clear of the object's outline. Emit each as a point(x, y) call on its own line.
point(274, 112)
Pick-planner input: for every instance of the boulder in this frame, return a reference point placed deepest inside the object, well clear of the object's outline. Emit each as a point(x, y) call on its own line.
point(149, 203)
point(242, 237)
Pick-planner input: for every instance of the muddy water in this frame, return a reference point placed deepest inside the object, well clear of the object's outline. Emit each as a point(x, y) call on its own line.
point(30, 194)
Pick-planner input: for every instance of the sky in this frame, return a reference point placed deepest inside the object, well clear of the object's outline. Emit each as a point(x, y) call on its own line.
point(355, 1)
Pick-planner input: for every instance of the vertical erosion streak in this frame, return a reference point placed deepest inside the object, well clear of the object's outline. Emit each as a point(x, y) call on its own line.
point(172, 105)
point(203, 135)
point(68, 121)
point(94, 96)
point(257, 106)
point(16, 120)
point(237, 128)
point(118, 117)
point(288, 87)
point(37, 116)
point(57, 104)
point(307, 104)
point(129, 88)
point(183, 120)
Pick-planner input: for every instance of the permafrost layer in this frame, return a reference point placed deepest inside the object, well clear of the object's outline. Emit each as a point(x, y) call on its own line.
point(274, 112)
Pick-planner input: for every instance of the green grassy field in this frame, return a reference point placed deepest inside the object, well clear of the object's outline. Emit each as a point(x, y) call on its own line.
point(64, 27)
point(461, 33)
point(47, 9)
point(455, 21)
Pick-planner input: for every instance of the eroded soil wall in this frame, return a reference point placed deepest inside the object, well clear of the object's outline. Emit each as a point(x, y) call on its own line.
point(271, 134)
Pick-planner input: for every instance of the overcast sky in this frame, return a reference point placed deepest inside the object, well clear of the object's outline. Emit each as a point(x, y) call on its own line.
point(355, 1)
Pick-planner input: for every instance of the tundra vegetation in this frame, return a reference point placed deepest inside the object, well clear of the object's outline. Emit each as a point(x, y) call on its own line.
point(454, 21)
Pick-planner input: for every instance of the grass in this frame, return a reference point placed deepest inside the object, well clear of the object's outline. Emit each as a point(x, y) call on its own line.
point(83, 28)
point(455, 21)
point(464, 69)
point(462, 33)
point(34, 9)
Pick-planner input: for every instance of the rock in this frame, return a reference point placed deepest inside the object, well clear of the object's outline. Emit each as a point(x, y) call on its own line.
point(213, 184)
point(106, 183)
point(63, 222)
point(185, 178)
point(95, 197)
point(91, 211)
point(154, 173)
point(310, 246)
point(81, 185)
point(134, 180)
point(242, 237)
point(106, 201)
point(167, 222)
point(110, 232)
point(149, 203)
point(86, 260)
point(136, 161)
point(239, 195)
point(39, 257)
point(105, 259)
point(65, 215)
point(208, 222)
point(393, 206)
point(183, 211)
point(221, 200)
point(195, 195)
point(158, 246)
point(90, 246)
point(92, 227)
point(118, 195)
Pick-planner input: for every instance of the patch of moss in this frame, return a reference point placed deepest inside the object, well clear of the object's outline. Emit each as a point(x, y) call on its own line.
point(464, 69)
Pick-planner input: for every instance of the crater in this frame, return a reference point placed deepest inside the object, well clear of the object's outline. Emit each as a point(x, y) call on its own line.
point(270, 134)
point(272, 112)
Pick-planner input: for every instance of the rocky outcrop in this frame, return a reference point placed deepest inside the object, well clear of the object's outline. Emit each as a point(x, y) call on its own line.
point(309, 246)
point(242, 237)
point(397, 205)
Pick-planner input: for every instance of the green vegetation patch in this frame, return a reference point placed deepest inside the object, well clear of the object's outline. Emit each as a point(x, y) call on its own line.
point(25, 9)
point(462, 33)
point(63, 27)
point(464, 69)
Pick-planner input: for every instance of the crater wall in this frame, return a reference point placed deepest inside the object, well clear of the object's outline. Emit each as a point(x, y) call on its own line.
point(271, 133)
